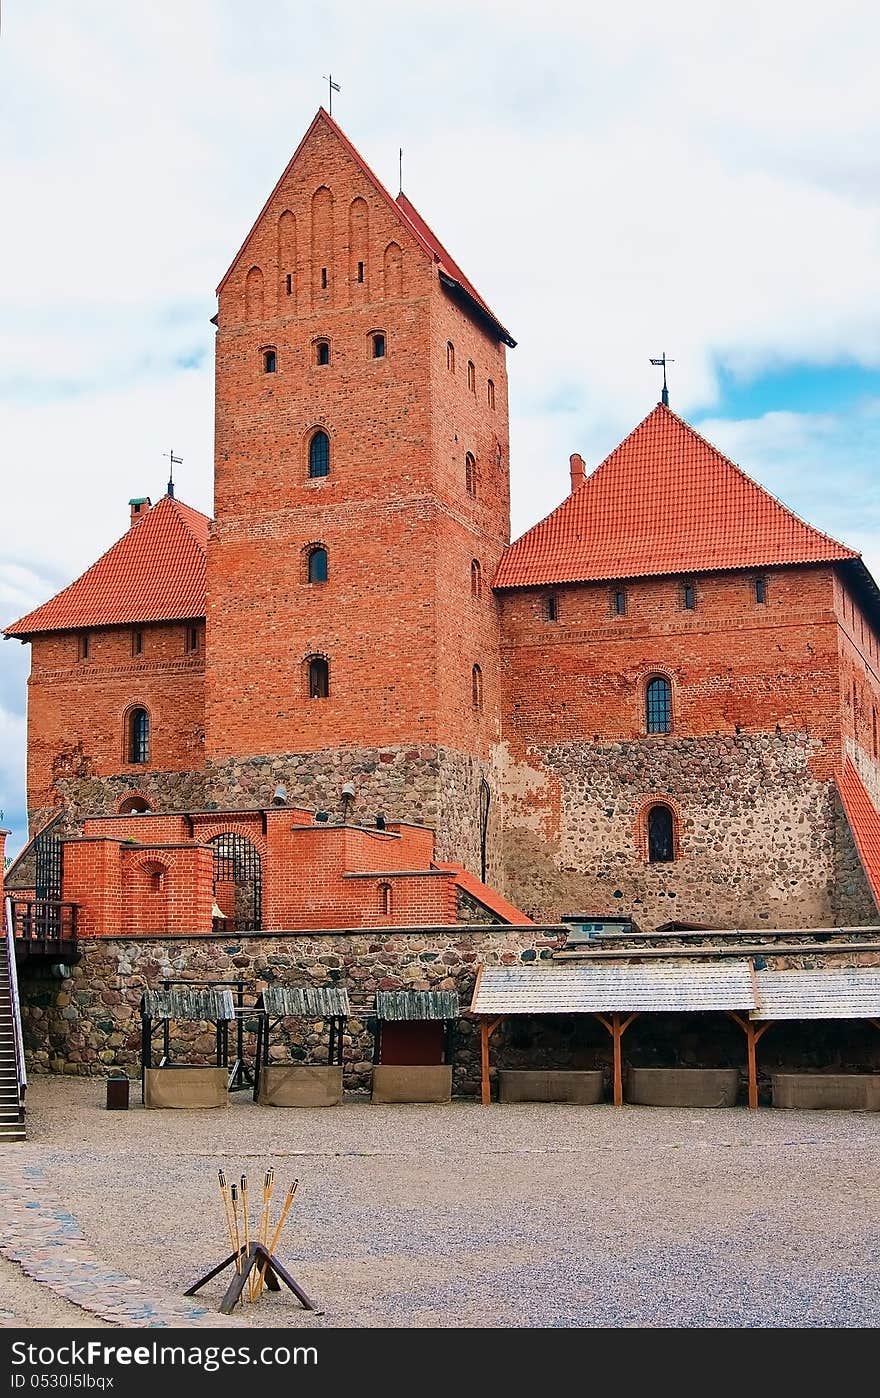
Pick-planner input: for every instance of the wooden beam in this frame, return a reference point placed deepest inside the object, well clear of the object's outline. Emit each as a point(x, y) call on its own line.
point(487, 1029)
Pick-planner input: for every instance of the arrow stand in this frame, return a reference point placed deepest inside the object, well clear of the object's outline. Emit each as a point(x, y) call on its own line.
point(251, 1256)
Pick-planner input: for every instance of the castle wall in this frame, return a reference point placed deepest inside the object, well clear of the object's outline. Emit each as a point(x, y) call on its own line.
point(746, 768)
point(77, 719)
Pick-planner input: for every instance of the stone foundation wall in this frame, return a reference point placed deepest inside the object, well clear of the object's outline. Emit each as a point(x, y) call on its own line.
point(852, 900)
point(96, 796)
point(90, 1022)
point(755, 831)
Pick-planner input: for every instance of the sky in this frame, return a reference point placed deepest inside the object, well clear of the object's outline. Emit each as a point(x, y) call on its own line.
point(617, 181)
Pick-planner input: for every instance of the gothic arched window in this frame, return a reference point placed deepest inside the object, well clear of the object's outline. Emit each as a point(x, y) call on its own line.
point(318, 565)
point(319, 677)
point(658, 705)
point(319, 455)
point(661, 835)
point(138, 739)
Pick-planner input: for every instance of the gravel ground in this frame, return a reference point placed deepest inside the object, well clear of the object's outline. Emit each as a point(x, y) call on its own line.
point(519, 1215)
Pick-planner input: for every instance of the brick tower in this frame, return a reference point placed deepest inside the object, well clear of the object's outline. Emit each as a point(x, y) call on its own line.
point(361, 506)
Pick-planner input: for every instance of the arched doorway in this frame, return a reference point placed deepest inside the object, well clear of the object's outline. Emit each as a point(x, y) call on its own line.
point(238, 880)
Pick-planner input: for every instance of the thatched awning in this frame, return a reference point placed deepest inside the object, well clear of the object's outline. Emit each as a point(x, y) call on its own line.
point(210, 1003)
point(417, 1004)
point(304, 1002)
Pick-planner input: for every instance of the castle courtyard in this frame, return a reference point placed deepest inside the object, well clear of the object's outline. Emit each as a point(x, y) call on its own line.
point(527, 1215)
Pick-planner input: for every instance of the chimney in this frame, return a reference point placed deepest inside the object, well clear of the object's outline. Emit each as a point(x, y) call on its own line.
point(578, 471)
point(138, 509)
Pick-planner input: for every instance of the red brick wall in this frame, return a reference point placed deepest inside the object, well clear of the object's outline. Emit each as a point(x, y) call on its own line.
point(732, 662)
point(77, 708)
point(859, 685)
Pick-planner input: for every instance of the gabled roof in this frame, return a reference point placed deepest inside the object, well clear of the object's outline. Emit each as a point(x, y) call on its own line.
point(664, 501)
point(155, 572)
point(409, 216)
point(863, 821)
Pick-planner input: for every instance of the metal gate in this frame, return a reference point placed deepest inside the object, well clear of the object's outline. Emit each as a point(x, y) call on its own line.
point(238, 873)
point(48, 867)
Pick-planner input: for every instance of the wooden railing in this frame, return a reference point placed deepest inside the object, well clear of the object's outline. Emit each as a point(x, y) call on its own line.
point(43, 927)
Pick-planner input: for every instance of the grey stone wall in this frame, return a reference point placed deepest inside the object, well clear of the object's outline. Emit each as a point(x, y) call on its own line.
point(852, 900)
point(756, 831)
point(89, 1022)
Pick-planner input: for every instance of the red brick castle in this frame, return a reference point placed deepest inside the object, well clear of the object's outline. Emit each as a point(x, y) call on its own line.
point(662, 700)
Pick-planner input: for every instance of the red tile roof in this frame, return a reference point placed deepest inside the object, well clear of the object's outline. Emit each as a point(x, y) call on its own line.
point(864, 822)
point(155, 572)
point(490, 899)
point(664, 501)
point(447, 266)
point(409, 216)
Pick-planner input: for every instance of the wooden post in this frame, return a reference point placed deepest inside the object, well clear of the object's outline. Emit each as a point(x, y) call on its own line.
point(616, 1035)
point(753, 1033)
point(487, 1029)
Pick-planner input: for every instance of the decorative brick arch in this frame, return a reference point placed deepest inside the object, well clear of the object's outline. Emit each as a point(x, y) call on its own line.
point(127, 716)
point(657, 672)
point(125, 805)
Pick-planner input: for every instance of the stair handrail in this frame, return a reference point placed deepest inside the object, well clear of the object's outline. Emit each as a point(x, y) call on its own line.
point(15, 1004)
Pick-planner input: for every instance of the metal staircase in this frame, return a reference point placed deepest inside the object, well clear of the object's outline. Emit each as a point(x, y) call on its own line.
point(13, 1079)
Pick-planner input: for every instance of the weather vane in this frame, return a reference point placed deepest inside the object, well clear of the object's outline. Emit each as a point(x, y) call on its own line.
point(664, 397)
point(175, 461)
point(334, 87)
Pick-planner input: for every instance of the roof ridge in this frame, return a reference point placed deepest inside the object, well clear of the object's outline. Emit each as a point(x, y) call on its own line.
point(728, 460)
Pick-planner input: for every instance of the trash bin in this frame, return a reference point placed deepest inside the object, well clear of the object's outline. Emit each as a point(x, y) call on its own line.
point(117, 1094)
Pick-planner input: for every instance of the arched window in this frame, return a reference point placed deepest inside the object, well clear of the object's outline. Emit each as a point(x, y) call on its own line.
point(661, 835)
point(317, 565)
point(319, 677)
point(133, 805)
point(472, 376)
point(476, 579)
point(377, 341)
point(450, 356)
point(477, 687)
point(658, 705)
point(490, 393)
point(319, 455)
point(385, 899)
point(270, 361)
point(470, 474)
point(138, 743)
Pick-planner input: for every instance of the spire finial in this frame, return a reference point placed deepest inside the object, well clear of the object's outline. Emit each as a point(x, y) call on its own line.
point(175, 461)
point(334, 87)
point(664, 396)
point(400, 171)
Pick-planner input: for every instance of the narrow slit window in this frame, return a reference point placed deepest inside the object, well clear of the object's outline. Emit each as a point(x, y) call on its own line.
point(658, 705)
point(288, 283)
point(490, 393)
point(323, 278)
point(761, 590)
point(319, 455)
point(138, 736)
point(137, 642)
point(470, 474)
point(472, 376)
point(618, 602)
point(318, 565)
point(84, 646)
point(322, 352)
point(688, 596)
point(191, 642)
point(661, 835)
point(360, 271)
point(385, 899)
point(552, 608)
point(450, 356)
point(476, 579)
point(477, 688)
point(270, 361)
point(319, 678)
point(378, 345)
